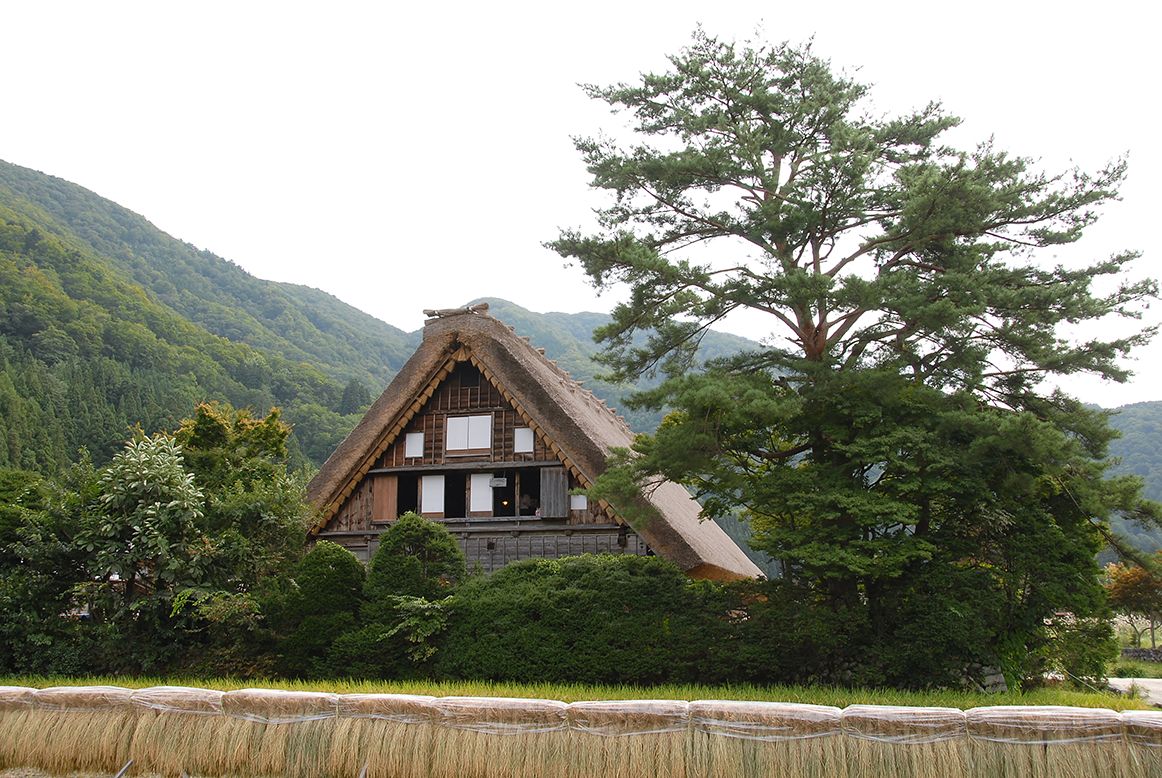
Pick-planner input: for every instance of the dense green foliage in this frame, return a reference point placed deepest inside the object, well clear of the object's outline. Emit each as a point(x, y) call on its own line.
point(415, 558)
point(594, 619)
point(893, 449)
point(155, 563)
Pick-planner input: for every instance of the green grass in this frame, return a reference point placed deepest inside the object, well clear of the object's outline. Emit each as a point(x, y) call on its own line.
point(819, 695)
point(1135, 668)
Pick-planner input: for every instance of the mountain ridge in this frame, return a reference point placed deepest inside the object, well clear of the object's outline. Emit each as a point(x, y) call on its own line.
point(107, 322)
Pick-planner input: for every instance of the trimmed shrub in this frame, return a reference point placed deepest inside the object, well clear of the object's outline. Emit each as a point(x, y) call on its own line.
point(590, 619)
point(416, 558)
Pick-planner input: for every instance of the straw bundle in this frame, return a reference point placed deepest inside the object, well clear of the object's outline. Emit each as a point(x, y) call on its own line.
point(1044, 742)
point(888, 740)
point(1142, 732)
point(176, 726)
point(499, 737)
point(276, 732)
point(730, 739)
point(15, 707)
point(82, 728)
point(628, 738)
point(390, 733)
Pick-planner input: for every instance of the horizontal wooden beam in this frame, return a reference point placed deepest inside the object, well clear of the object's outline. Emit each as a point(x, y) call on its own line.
point(478, 465)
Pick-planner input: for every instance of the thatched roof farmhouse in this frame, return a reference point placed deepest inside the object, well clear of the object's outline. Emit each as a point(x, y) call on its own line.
point(483, 433)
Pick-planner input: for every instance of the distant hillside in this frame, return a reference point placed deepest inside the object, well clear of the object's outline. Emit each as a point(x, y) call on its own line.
point(107, 322)
point(1140, 452)
point(296, 323)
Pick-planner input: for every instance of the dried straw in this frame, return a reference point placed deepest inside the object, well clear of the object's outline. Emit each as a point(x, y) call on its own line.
point(15, 707)
point(1142, 733)
point(887, 740)
point(764, 740)
point(389, 733)
point(176, 728)
point(275, 732)
point(1045, 742)
point(499, 737)
point(628, 738)
point(76, 728)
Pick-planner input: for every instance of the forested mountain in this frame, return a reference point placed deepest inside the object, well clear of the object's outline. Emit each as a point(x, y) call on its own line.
point(1140, 453)
point(107, 322)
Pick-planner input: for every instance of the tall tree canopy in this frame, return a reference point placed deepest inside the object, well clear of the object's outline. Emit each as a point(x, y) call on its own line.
point(891, 442)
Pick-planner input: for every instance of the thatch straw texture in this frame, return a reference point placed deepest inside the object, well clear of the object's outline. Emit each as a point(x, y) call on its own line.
point(499, 737)
point(730, 739)
point(628, 738)
point(390, 734)
point(76, 728)
point(1142, 732)
point(276, 732)
point(15, 707)
point(1045, 742)
point(176, 729)
point(907, 742)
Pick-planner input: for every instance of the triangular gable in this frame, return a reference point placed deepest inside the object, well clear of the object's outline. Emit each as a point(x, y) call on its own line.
point(410, 410)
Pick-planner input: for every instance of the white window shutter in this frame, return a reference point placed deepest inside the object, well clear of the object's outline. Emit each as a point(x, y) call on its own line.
point(413, 445)
point(457, 437)
point(432, 494)
point(481, 493)
point(480, 431)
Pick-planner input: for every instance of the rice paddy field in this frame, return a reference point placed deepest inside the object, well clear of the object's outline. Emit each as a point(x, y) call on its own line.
point(234, 728)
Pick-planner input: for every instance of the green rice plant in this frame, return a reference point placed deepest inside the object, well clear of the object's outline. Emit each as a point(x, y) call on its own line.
point(732, 739)
point(628, 738)
point(499, 737)
point(1045, 742)
point(1142, 732)
point(390, 734)
point(818, 695)
point(884, 740)
point(15, 710)
point(276, 732)
point(77, 728)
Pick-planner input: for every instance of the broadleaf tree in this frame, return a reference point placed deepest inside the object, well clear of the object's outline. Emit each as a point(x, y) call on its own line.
point(893, 434)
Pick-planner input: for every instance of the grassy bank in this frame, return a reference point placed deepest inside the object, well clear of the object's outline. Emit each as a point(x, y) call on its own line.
point(818, 695)
point(1135, 668)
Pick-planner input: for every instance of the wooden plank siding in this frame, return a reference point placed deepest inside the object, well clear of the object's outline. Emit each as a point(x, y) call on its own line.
point(376, 500)
point(488, 552)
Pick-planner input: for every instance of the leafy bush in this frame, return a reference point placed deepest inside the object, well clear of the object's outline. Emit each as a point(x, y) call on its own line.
point(330, 580)
point(601, 619)
point(416, 558)
point(1081, 648)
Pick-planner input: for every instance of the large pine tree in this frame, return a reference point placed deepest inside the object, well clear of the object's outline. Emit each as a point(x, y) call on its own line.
point(892, 442)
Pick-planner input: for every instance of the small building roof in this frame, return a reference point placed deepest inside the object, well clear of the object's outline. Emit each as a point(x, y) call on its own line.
point(580, 429)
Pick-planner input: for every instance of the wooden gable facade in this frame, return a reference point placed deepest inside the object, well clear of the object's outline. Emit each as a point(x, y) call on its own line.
point(481, 432)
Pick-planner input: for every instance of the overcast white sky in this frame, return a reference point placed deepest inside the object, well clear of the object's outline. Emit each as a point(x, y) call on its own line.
point(355, 146)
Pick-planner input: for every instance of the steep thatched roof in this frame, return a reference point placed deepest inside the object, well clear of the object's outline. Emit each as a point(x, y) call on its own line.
point(580, 429)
